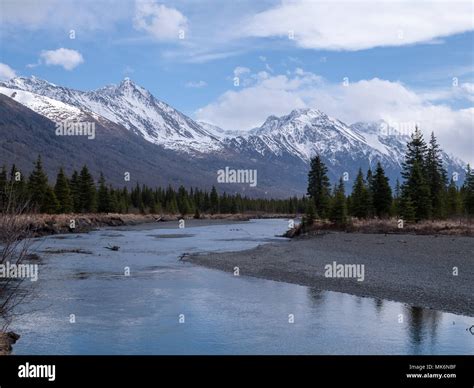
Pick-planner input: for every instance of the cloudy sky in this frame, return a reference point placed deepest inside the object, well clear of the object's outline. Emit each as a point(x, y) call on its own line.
point(234, 62)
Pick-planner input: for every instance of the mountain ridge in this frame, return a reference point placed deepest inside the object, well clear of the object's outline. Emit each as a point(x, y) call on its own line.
point(279, 143)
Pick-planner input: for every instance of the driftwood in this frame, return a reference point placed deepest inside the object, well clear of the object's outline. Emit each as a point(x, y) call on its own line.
point(113, 247)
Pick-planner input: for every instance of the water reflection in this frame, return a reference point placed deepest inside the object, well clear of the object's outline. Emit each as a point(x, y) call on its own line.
point(224, 314)
point(422, 325)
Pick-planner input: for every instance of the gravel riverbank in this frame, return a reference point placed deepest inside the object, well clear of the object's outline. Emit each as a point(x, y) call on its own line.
point(413, 269)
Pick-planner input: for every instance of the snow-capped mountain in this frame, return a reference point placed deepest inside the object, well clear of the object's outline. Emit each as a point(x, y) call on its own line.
point(219, 132)
point(52, 109)
point(290, 140)
point(306, 132)
point(129, 105)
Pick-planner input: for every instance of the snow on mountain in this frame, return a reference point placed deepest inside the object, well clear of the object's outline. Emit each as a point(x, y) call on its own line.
point(306, 132)
point(54, 110)
point(292, 138)
point(220, 133)
point(133, 107)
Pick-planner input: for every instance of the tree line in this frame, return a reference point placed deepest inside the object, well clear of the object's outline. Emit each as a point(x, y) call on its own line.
point(80, 193)
point(425, 193)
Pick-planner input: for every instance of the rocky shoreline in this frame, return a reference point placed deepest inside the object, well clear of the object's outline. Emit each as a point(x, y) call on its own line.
point(435, 272)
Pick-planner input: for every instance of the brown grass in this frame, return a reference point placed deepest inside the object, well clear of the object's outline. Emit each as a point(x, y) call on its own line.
point(453, 227)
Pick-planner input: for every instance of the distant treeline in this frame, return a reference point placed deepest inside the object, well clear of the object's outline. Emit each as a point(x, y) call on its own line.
point(79, 193)
point(425, 193)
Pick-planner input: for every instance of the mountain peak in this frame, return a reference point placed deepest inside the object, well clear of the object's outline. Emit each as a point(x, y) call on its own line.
point(127, 86)
point(24, 82)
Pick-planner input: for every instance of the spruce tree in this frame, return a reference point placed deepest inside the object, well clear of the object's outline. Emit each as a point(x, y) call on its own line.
point(414, 172)
point(338, 210)
point(50, 203)
point(310, 214)
point(319, 186)
point(63, 193)
point(397, 198)
point(87, 193)
point(214, 201)
point(184, 206)
point(75, 188)
point(416, 152)
point(453, 201)
point(407, 210)
point(359, 197)
point(103, 196)
point(37, 186)
point(381, 193)
point(419, 192)
point(19, 186)
point(468, 192)
point(436, 177)
point(370, 200)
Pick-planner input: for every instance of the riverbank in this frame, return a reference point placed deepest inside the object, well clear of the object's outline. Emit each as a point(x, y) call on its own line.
point(414, 269)
point(37, 225)
point(6, 342)
point(451, 227)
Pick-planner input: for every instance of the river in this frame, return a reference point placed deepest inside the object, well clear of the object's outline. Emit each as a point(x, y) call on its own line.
point(142, 299)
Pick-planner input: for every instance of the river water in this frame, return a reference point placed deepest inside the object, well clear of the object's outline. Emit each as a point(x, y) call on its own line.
point(85, 303)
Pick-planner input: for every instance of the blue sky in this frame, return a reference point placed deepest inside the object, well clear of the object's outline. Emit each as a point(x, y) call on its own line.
point(405, 62)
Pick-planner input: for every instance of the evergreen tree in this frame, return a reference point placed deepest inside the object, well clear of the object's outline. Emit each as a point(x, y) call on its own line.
point(359, 199)
point(381, 193)
point(214, 201)
point(468, 192)
point(436, 177)
point(338, 210)
point(370, 201)
point(419, 192)
point(414, 171)
point(184, 206)
point(310, 215)
point(397, 199)
point(63, 193)
point(319, 186)
point(75, 188)
point(103, 196)
point(50, 203)
point(19, 185)
point(87, 192)
point(416, 152)
point(453, 201)
point(37, 186)
point(407, 210)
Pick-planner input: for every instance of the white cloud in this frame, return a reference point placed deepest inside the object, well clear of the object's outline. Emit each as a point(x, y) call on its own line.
point(6, 72)
point(365, 100)
point(196, 84)
point(161, 22)
point(66, 58)
point(240, 70)
point(358, 25)
point(63, 14)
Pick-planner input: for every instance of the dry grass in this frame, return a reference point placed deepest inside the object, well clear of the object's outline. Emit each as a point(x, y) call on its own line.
point(453, 227)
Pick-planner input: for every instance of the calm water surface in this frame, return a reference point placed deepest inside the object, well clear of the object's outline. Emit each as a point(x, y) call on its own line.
point(223, 314)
